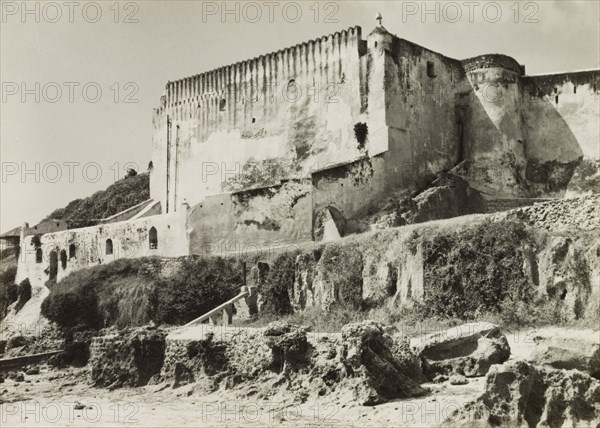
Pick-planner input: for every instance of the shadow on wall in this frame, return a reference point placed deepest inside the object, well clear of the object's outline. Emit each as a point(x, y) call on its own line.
point(538, 159)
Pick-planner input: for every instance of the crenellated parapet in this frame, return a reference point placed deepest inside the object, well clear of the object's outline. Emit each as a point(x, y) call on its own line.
point(308, 58)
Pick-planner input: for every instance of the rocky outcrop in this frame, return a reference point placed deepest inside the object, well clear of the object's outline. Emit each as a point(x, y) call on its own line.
point(569, 350)
point(469, 350)
point(563, 272)
point(383, 371)
point(364, 360)
point(128, 357)
point(448, 196)
point(519, 394)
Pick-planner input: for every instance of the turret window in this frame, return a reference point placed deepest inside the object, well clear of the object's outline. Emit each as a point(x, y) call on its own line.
point(430, 69)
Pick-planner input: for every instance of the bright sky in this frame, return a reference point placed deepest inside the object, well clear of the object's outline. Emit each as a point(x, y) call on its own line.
point(72, 149)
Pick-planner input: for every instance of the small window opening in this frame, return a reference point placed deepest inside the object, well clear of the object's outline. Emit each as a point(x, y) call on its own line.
point(574, 89)
point(361, 132)
point(109, 247)
point(375, 44)
point(556, 99)
point(38, 255)
point(222, 104)
point(72, 251)
point(63, 259)
point(153, 238)
point(430, 69)
point(253, 120)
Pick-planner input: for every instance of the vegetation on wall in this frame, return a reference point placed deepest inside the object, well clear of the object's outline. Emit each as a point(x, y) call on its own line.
point(475, 270)
point(130, 292)
point(278, 284)
point(123, 194)
point(196, 287)
point(8, 289)
point(343, 269)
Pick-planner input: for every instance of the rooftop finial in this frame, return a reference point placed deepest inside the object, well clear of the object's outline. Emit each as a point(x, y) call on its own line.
point(379, 18)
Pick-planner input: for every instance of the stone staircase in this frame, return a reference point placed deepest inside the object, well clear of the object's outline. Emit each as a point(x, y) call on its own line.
point(223, 314)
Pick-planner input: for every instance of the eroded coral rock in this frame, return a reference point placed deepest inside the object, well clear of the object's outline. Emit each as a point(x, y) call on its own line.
point(469, 349)
point(382, 373)
point(128, 357)
point(562, 351)
point(519, 394)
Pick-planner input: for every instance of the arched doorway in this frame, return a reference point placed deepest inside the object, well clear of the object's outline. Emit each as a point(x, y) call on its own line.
point(63, 259)
point(109, 247)
point(153, 238)
point(53, 264)
point(328, 224)
point(72, 251)
point(39, 256)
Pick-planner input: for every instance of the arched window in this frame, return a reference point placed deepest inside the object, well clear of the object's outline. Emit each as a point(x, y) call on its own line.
point(39, 256)
point(53, 264)
point(153, 238)
point(72, 252)
point(109, 246)
point(63, 259)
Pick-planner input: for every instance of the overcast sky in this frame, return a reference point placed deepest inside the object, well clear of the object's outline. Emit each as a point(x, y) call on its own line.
point(132, 61)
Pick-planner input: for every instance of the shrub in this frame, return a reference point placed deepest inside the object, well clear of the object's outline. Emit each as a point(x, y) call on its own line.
point(8, 290)
point(88, 297)
point(73, 307)
point(278, 283)
point(475, 270)
point(198, 285)
point(131, 292)
point(24, 292)
point(123, 194)
point(342, 267)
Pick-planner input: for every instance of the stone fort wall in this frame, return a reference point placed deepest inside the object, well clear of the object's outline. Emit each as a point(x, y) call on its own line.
point(370, 118)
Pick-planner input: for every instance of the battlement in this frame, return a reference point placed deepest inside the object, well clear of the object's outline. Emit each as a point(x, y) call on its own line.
point(491, 61)
point(265, 69)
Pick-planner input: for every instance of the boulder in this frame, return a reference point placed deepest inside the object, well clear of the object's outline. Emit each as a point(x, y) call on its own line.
point(457, 379)
point(381, 372)
point(520, 394)
point(469, 349)
point(289, 345)
point(569, 353)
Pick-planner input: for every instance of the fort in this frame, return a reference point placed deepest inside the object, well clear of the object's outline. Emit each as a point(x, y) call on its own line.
point(298, 145)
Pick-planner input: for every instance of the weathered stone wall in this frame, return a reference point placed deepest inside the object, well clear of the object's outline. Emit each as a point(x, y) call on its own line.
point(130, 239)
point(350, 188)
point(424, 127)
point(561, 114)
point(251, 220)
point(281, 114)
point(495, 134)
point(525, 135)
